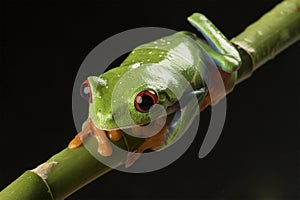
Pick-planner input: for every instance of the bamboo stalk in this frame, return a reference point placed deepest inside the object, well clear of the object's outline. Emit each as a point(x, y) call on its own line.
point(61, 175)
point(65, 173)
point(69, 170)
point(268, 36)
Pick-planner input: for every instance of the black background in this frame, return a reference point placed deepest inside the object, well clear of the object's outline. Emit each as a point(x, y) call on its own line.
point(42, 46)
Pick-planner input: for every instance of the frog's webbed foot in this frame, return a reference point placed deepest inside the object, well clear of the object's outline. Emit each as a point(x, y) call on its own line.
point(150, 143)
point(77, 141)
point(104, 147)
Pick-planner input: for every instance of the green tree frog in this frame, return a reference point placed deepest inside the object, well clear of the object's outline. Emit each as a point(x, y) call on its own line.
point(177, 54)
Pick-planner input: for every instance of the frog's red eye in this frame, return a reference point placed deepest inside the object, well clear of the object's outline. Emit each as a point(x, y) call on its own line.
point(85, 91)
point(145, 100)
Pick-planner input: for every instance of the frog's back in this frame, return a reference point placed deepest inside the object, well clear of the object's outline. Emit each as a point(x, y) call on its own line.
point(178, 51)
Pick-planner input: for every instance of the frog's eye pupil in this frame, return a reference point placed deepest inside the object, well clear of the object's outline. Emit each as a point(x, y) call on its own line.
point(85, 91)
point(145, 100)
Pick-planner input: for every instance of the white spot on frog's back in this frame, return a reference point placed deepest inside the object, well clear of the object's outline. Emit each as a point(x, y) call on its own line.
point(260, 33)
point(182, 52)
point(248, 40)
point(135, 65)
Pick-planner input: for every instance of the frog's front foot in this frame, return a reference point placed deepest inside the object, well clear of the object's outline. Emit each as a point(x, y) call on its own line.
point(77, 141)
point(104, 147)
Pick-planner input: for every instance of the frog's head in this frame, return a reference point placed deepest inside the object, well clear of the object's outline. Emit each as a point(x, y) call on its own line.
point(123, 98)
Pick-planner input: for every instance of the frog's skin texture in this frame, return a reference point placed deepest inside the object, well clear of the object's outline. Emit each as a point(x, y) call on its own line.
point(157, 66)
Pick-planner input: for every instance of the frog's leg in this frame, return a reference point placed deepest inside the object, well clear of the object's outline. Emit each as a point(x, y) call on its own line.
point(215, 92)
point(167, 136)
point(77, 141)
point(220, 49)
point(104, 147)
point(224, 54)
point(150, 143)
